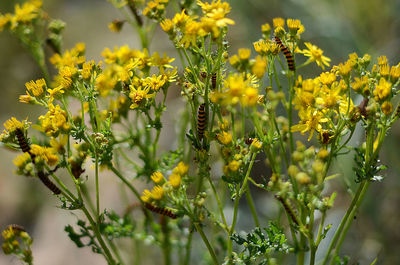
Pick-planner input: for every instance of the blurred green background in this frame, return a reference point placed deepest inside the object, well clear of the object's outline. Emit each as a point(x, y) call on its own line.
point(338, 27)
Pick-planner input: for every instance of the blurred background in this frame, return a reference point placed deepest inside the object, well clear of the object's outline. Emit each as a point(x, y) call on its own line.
point(338, 27)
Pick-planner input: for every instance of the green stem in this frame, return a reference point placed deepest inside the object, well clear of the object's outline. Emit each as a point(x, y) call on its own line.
point(207, 243)
point(351, 218)
point(221, 210)
point(252, 207)
point(188, 247)
point(166, 246)
point(342, 224)
point(119, 175)
point(97, 185)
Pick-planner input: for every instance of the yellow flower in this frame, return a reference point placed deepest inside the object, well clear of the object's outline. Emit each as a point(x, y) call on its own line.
point(154, 82)
point(233, 165)
point(256, 144)
point(180, 19)
point(266, 29)
point(175, 180)
point(116, 25)
point(360, 84)
point(225, 138)
point(138, 95)
point(12, 124)
point(181, 169)
point(167, 25)
point(217, 11)
point(382, 60)
point(310, 121)
point(45, 153)
point(24, 14)
point(244, 54)
point(157, 193)
point(21, 160)
point(387, 108)
point(234, 60)
point(327, 78)
point(26, 98)
point(58, 145)
point(146, 196)
point(36, 87)
point(250, 96)
point(4, 20)
point(157, 177)
point(382, 90)
point(259, 66)
point(315, 55)
point(54, 120)
point(278, 22)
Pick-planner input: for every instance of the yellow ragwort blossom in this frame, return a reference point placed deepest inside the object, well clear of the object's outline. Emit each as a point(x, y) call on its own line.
point(22, 160)
point(278, 22)
point(234, 165)
point(157, 177)
point(175, 180)
point(244, 53)
point(259, 67)
point(387, 108)
point(382, 90)
point(181, 169)
point(256, 144)
point(36, 87)
point(146, 196)
point(26, 13)
point(311, 120)
point(12, 124)
point(225, 138)
point(48, 154)
point(217, 11)
point(54, 120)
point(138, 95)
point(315, 55)
point(167, 25)
point(157, 193)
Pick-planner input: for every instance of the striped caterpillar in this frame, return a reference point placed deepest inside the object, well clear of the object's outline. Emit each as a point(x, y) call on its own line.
point(201, 121)
point(287, 53)
point(288, 209)
point(160, 210)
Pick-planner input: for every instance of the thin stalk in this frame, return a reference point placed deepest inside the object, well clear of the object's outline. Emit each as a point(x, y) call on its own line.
point(119, 175)
point(252, 207)
point(350, 219)
point(221, 210)
point(207, 243)
point(342, 223)
point(97, 185)
point(188, 248)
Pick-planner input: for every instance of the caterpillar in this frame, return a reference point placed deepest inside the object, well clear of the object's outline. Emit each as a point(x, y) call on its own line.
point(159, 210)
point(201, 121)
point(214, 80)
point(48, 183)
point(287, 53)
point(16, 227)
point(23, 143)
point(288, 209)
point(249, 140)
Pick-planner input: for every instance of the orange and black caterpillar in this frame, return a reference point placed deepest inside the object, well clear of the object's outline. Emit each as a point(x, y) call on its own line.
point(201, 121)
point(249, 141)
point(287, 53)
point(48, 183)
point(214, 80)
point(16, 227)
point(159, 210)
point(288, 209)
point(23, 143)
